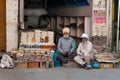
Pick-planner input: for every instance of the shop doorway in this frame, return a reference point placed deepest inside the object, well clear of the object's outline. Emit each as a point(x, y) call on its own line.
point(3, 25)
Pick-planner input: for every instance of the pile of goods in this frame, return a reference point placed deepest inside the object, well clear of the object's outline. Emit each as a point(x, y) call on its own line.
point(33, 41)
point(36, 37)
point(37, 57)
point(101, 49)
point(105, 57)
point(99, 40)
point(36, 46)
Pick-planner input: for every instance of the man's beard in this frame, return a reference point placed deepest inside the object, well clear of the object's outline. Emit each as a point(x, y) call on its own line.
point(66, 36)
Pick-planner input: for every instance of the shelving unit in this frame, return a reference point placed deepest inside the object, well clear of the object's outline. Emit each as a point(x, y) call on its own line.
point(59, 23)
point(76, 25)
point(53, 22)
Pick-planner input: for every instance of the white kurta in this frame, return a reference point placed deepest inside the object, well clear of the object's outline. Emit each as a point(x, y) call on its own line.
point(84, 51)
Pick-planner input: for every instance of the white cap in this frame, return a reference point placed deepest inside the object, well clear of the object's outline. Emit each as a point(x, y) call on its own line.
point(84, 35)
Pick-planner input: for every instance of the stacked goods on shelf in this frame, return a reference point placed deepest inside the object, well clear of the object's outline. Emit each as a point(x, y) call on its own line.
point(99, 40)
point(99, 49)
point(36, 48)
point(73, 31)
point(31, 36)
point(106, 60)
point(105, 57)
point(100, 30)
point(59, 22)
point(80, 27)
point(44, 34)
point(66, 21)
point(80, 21)
point(23, 39)
point(33, 57)
point(80, 31)
point(73, 20)
point(73, 27)
point(37, 36)
point(76, 25)
point(51, 37)
point(53, 23)
point(21, 50)
point(99, 35)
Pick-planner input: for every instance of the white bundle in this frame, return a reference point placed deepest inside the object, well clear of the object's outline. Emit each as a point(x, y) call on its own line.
point(51, 39)
point(44, 34)
point(37, 35)
point(50, 33)
point(51, 36)
point(37, 31)
point(23, 38)
point(6, 61)
point(30, 37)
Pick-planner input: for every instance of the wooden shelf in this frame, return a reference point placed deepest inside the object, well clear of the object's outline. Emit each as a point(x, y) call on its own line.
point(73, 20)
point(66, 21)
point(76, 25)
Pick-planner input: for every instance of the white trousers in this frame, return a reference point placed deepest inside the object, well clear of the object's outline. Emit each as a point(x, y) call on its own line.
point(84, 59)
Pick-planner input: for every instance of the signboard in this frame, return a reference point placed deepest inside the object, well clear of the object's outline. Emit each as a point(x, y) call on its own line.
point(99, 18)
point(99, 4)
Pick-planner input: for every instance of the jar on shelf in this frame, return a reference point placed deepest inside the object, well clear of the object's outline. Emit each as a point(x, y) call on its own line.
point(33, 40)
point(46, 38)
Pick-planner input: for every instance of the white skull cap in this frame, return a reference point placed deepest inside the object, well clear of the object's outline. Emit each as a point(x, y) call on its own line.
point(84, 35)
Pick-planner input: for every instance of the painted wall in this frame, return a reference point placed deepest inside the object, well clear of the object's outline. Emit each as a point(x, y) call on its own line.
point(72, 11)
point(11, 24)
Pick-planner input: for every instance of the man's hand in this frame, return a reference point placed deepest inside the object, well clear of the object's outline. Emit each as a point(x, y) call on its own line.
point(81, 54)
point(64, 53)
point(69, 54)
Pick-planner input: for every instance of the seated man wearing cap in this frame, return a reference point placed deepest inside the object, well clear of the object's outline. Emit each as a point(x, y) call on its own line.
point(66, 47)
point(84, 52)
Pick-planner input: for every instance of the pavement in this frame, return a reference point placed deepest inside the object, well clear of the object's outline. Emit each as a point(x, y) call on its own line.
point(60, 73)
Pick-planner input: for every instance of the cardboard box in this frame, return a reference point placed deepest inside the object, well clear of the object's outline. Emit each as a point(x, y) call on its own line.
point(20, 65)
point(106, 65)
point(43, 64)
point(32, 64)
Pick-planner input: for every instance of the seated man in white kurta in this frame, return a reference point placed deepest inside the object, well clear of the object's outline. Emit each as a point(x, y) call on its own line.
point(84, 52)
